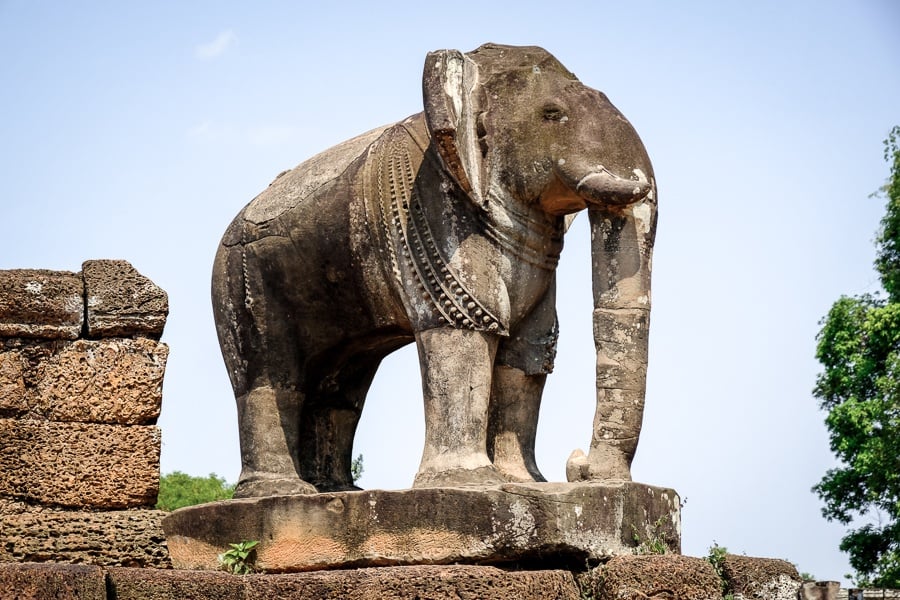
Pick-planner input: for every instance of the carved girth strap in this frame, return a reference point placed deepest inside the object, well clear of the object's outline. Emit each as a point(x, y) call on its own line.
point(394, 161)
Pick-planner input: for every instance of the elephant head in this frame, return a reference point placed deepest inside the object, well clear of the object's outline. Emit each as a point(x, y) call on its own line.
point(516, 119)
point(515, 128)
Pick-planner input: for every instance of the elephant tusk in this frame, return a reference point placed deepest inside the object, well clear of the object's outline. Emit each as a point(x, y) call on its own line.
point(604, 185)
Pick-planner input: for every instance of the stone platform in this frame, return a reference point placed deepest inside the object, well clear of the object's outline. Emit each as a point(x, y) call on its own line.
point(552, 524)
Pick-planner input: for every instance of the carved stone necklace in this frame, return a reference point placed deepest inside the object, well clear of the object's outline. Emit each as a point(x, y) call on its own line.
point(411, 243)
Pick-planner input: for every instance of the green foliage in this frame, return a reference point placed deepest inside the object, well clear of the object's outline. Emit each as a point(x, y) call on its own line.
point(716, 558)
point(239, 560)
point(888, 261)
point(177, 490)
point(589, 581)
point(585, 592)
point(859, 348)
point(356, 468)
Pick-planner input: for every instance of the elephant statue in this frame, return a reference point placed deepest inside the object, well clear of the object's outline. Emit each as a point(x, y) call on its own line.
point(444, 229)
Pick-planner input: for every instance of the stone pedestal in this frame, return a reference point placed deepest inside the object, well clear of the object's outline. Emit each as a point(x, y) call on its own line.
point(551, 524)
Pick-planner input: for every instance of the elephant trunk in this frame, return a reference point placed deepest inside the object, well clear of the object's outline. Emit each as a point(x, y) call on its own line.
point(621, 250)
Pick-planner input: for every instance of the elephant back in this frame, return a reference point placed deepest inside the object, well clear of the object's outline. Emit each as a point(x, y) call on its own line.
point(292, 187)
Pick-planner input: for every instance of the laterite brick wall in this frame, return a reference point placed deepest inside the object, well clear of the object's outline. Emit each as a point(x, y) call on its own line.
point(81, 375)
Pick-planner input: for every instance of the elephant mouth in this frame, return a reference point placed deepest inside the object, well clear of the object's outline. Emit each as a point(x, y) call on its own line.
point(601, 186)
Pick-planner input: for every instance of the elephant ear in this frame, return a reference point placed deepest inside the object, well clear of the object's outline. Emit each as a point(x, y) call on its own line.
point(449, 85)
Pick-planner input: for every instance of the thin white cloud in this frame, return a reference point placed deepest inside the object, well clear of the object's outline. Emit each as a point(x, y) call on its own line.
point(217, 47)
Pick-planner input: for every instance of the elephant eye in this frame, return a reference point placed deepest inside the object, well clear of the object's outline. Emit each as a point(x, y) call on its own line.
point(554, 113)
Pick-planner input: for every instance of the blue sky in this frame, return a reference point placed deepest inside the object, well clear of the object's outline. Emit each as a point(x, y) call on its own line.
point(138, 131)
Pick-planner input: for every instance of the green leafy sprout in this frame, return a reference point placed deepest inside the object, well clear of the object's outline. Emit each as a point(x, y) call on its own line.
point(240, 559)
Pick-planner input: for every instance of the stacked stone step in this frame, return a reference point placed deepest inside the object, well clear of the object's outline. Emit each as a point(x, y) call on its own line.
point(81, 374)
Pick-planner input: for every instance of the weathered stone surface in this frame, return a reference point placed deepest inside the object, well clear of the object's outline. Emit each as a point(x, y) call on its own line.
point(444, 229)
point(105, 381)
point(762, 578)
point(79, 464)
point(402, 583)
point(12, 382)
point(121, 301)
point(131, 538)
point(36, 303)
point(145, 584)
point(869, 594)
point(819, 590)
point(662, 577)
point(387, 583)
point(554, 523)
point(50, 582)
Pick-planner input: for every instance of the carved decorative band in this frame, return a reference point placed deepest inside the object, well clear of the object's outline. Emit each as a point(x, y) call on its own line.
point(404, 218)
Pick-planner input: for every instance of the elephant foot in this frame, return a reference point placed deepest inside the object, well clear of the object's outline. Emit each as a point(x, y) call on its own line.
point(518, 473)
point(609, 464)
point(480, 476)
point(257, 488)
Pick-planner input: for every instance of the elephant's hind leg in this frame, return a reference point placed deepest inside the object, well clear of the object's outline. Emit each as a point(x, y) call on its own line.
point(267, 418)
point(329, 420)
point(515, 403)
point(262, 361)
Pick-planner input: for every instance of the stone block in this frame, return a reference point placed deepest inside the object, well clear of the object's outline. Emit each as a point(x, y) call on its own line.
point(12, 382)
point(762, 578)
point(36, 303)
point(658, 576)
point(424, 581)
point(387, 583)
point(45, 582)
point(819, 590)
point(121, 301)
point(132, 538)
point(146, 584)
point(104, 381)
point(553, 524)
point(79, 464)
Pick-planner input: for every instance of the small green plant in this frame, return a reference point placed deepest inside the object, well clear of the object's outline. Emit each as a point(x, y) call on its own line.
point(239, 560)
point(356, 468)
point(656, 543)
point(585, 594)
point(716, 558)
point(589, 581)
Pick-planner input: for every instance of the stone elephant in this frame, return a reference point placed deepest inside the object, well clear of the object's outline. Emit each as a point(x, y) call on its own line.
point(444, 229)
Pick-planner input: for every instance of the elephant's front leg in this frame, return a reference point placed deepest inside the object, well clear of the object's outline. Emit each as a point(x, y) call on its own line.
point(457, 366)
point(523, 361)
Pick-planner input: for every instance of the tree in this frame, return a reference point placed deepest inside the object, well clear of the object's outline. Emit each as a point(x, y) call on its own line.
point(177, 490)
point(859, 347)
point(356, 468)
